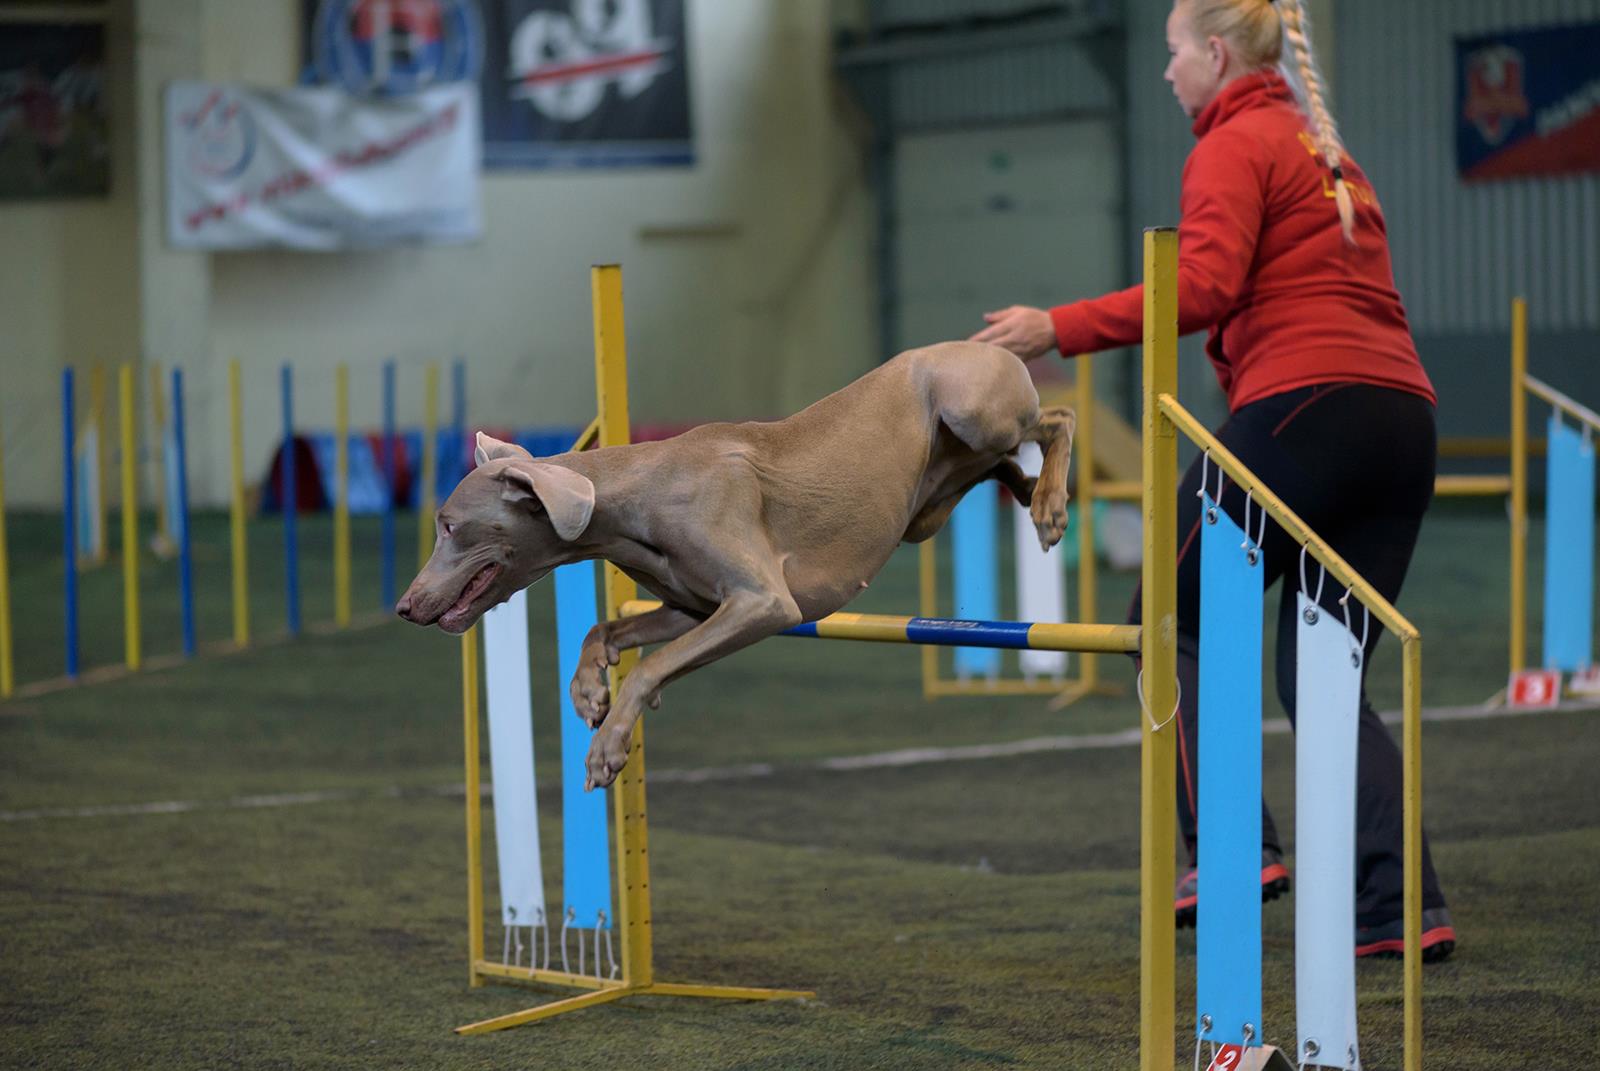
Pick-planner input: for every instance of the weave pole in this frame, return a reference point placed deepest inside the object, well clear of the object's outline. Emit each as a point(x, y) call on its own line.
point(290, 501)
point(240, 551)
point(1518, 633)
point(158, 458)
point(427, 494)
point(390, 447)
point(100, 446)
point(69, 513)
point(132, 654)
point(341, 501)
point(8, 680)
point(185, 543)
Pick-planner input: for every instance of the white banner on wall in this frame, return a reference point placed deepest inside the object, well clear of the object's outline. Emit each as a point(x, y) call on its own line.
point(319, 169)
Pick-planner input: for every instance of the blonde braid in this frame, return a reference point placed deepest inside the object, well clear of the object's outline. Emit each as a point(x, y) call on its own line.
point(1296, 28)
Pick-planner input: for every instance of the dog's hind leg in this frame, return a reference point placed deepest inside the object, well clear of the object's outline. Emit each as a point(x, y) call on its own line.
point(1053, 433)
point(603, 647)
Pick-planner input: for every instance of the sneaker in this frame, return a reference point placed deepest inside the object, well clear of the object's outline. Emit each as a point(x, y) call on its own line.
point(1274, 883)
point(1388, 941)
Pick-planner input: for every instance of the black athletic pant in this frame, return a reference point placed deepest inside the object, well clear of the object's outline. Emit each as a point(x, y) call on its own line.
point(1356, 463)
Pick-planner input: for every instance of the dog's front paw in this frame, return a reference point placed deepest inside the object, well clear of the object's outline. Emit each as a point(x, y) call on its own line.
point(608, 754)
point(1049, 514)
point(591, 697)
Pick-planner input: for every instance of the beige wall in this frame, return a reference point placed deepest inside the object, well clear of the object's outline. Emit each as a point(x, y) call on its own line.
point(748, 277)
point(68, 292)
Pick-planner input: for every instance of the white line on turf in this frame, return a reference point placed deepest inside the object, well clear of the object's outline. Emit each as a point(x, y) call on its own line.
point(880, 760)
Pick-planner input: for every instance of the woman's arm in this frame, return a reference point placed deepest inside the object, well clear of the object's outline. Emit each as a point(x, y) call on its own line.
point(1222, 206)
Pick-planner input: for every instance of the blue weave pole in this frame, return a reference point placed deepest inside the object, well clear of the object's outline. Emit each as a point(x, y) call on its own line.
point(69, 512)
point(390, 447)
point(185, 549)
point(1327, 726)
point(585, 854)
point(1228, 927)
point(974, 537)
point(1568, 549)
point(291, 508)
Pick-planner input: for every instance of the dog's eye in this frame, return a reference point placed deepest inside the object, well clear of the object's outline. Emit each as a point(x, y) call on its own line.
point(449, 529)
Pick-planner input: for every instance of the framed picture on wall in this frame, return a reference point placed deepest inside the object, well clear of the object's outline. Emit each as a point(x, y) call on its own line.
point(55, 138)
point(562, 83)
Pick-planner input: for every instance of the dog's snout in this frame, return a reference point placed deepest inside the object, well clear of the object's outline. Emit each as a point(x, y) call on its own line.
point(403, 607)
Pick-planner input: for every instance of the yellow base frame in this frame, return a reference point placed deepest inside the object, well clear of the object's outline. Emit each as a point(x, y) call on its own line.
point(604, 992)
point(630, 835)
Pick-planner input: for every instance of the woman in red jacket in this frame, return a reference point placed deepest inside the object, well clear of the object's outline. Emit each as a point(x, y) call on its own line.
point(1283, 257)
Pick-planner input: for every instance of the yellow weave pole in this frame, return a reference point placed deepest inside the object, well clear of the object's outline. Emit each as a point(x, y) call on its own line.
point(1411, 789)
point(1159, 665)
point(99, 421)
point(8, 680)
point(158, 449)
point(130, 520)
point(341, 496)
point(241, 559)
point(1519, 484)
point(427, 498)
point(469, 722)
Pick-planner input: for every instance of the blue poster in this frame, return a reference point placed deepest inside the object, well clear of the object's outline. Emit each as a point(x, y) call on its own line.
point(1528, 102)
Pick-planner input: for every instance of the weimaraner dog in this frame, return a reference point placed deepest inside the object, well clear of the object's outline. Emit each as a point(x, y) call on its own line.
point(742, 530)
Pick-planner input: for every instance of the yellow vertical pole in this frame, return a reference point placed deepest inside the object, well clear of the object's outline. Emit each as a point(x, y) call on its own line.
point(158, 449)
point(241, 558)
point(1411, 741)
point(426, 499)
point(341, 499)
point(469, 721)
point(1519, 483)
point(1158, 649)
point(99, 421)
point(1088, 595)
point(7, 671)
point(628, 801)
point(130, 520)
point(928, 606)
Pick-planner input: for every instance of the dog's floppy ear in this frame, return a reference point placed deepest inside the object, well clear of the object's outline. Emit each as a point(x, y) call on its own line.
point(567, 496)
point(491, 449)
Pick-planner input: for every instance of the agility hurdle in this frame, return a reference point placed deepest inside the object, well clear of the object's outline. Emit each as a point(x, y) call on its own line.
point(1568, 642)
point(635, 975)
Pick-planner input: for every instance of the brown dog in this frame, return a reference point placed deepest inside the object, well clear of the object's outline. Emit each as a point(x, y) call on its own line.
point(742, 530)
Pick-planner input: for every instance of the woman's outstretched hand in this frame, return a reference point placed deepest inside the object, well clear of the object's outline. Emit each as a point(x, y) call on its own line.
point(1025, 331)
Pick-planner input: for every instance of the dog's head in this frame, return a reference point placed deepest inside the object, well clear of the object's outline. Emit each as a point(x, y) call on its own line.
point(505, 526)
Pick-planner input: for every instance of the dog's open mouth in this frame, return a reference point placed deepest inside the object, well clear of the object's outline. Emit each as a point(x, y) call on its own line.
point(459, 617)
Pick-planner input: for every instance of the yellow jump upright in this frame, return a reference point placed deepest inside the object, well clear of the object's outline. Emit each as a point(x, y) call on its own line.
point(631, 828)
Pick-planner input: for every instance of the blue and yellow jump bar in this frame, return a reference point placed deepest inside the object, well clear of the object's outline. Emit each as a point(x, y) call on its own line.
point(954, 632)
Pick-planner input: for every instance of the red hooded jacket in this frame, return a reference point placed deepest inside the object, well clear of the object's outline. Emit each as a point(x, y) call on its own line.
point(1263, 263)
